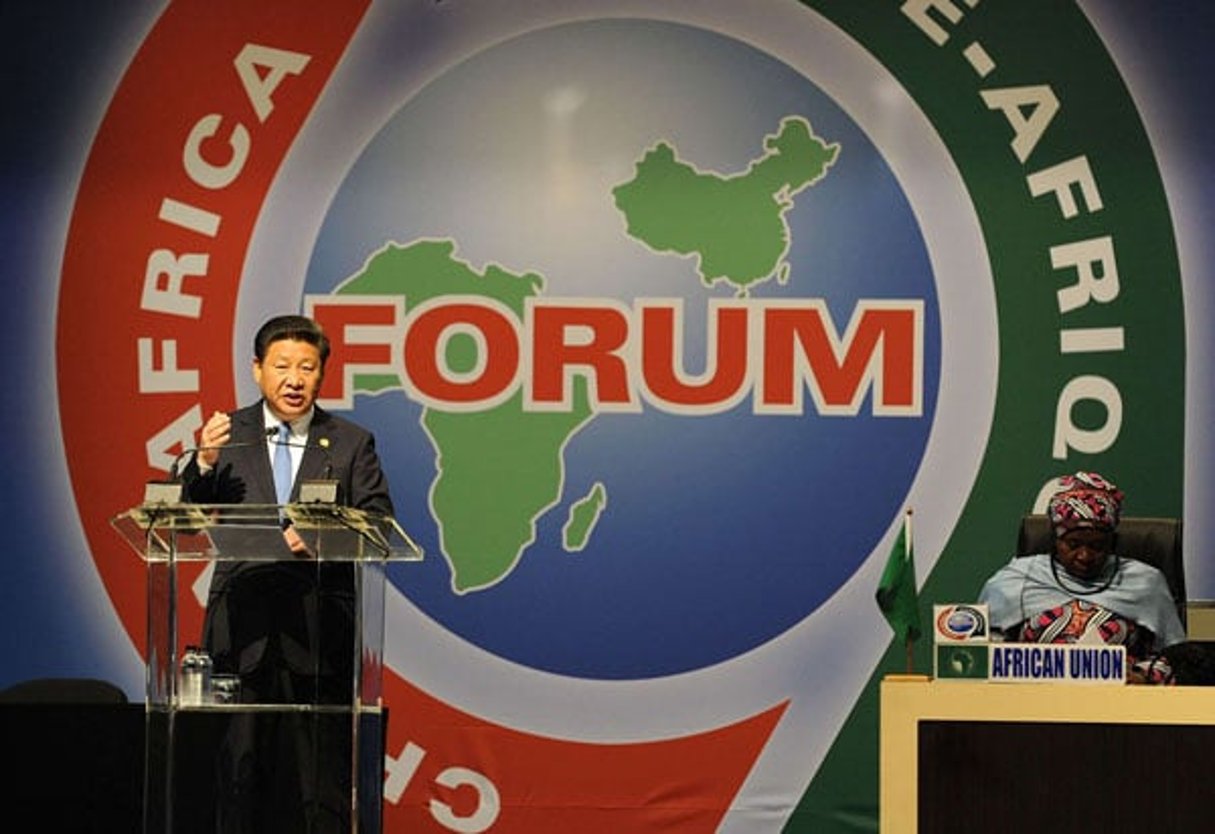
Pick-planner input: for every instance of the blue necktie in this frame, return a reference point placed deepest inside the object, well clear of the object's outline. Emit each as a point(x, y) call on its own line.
point(282, 464)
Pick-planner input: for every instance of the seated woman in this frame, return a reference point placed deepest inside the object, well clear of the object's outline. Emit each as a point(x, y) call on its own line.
point(1084, 592)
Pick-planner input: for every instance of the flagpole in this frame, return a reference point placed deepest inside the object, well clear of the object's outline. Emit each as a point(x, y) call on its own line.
point(909, 643)
point(897, 596)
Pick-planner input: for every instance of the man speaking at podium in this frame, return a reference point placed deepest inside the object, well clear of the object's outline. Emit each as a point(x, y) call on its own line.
point(285, 627)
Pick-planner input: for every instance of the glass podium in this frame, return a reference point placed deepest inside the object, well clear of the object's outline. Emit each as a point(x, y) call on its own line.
point(279, 726)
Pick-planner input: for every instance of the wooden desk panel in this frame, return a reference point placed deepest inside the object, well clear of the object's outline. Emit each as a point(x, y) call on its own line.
point(972, 756)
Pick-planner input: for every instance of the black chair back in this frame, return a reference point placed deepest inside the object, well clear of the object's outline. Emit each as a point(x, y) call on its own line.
point(62, 691)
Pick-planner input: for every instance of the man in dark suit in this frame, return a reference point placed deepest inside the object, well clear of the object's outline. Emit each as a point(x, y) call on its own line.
point(287, 628)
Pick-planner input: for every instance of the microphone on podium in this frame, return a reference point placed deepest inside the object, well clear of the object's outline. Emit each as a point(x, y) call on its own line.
point(172, 489)
point(313, 491)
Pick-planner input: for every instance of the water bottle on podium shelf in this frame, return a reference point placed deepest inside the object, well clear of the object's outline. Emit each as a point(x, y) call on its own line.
point(195, 682)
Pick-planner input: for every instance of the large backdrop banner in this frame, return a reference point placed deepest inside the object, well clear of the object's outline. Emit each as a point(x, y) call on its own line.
point(663, 315)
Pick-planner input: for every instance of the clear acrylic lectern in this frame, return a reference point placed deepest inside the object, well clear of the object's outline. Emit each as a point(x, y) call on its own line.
point(201, 740)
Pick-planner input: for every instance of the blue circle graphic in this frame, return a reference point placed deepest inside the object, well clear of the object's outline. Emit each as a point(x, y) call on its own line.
point(720, 532)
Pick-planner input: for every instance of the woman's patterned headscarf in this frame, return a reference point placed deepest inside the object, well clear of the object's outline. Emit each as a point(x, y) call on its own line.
point(1085, 500)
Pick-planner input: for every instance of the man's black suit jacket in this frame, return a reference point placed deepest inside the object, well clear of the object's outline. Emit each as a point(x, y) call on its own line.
point(287, 627)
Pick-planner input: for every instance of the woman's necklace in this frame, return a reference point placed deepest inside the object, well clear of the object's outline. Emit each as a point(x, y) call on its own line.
point(1081, 592)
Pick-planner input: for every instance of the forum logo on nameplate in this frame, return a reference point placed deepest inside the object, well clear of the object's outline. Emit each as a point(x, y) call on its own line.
point(960, 636)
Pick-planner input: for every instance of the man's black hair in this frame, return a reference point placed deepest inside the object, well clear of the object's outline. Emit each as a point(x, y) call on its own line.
point(297, 328)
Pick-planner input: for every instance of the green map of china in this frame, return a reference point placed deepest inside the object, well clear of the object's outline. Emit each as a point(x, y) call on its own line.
point(498, 472)
point(733, 226)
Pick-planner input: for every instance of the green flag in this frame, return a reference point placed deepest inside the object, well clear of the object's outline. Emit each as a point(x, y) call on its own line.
point(896, 594)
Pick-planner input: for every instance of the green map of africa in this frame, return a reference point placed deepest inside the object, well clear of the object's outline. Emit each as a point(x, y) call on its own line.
point(500, 470)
